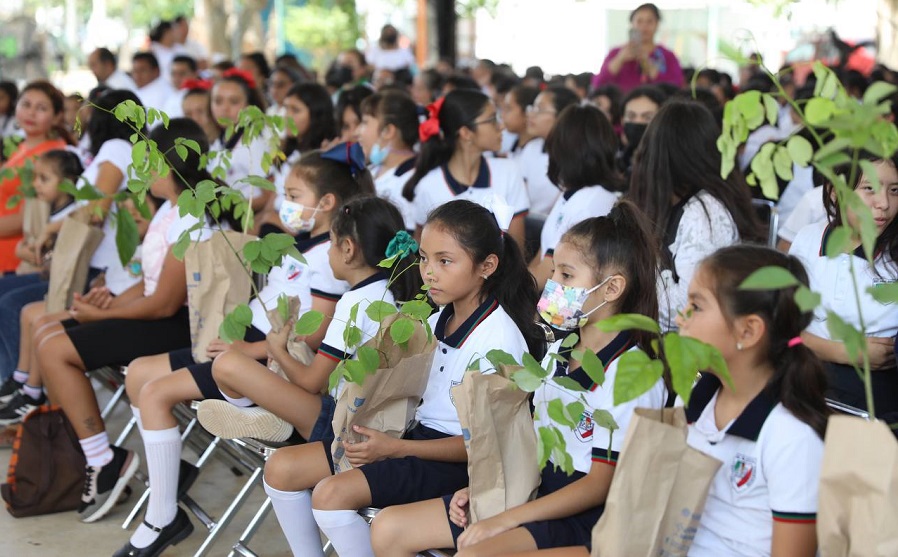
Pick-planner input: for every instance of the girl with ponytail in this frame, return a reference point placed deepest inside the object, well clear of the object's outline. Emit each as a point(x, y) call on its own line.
point(460, 128)
point(767, 426)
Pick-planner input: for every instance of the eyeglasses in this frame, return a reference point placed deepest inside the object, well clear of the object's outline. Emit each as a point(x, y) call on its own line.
point(533, 109)
point(494, 119)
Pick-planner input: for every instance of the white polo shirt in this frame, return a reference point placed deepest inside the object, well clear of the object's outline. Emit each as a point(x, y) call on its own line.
point(832, 279)
point(571, 208)
point(496, 177)
point(333, 346)
point(534, 166)
point(590, 443)
point(389, 186)
point(808, 210)
point(770, 472)
point(246, 160)
point(488, 328)
point(156, 93)
point(313, 278)
point(120, 80)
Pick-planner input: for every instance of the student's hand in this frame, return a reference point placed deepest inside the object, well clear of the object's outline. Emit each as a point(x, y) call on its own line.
point(379, 446)
point(98, 296)
point(485, 529)
point(882, 352)
point(218, 346)
point(277, 341)
point(458, 508)
point(86, 313)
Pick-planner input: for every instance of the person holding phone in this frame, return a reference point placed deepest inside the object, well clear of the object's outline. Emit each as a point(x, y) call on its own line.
point(640, 61)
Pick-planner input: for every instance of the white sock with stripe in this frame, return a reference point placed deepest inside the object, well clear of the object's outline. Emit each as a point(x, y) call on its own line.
point(96, 449)
point(20, 376)
point(294, 512)
point(163, 449)
point(347, 531)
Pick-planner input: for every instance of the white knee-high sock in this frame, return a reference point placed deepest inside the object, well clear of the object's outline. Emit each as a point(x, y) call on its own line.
point(294, 512)
point(163, 448)
point(136, 411)
point(347, 531)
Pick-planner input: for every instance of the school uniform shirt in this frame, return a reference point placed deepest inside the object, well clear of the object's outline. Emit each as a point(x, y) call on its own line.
point(770, 472)
point(705, 227)
point(156, 93)
point(590, 442)
point(164, 230)
point(534, 166)
point(63, 212)
point(120, 80)
point(174, 104)
point(389, 186)
point(496, 177)
point(831, 277)
point(802, 182)
point(488, 328)
point(809, 210)
point(118, 153)
point(313, 278)
point(246, 160)
point(571, 208)
point(333, 347)
point(509, 141)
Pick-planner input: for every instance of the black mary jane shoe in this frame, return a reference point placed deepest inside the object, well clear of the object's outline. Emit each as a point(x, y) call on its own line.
point(173, 534)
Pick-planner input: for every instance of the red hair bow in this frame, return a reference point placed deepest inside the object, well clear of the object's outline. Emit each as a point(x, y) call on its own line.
point(203, 84)
point(242, 74)
point(431, 126)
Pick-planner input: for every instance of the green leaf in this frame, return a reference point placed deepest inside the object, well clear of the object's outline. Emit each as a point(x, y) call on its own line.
point(628, 321)
point(806, 299)
point(127, 238)
point(603, 418)
point(352, 336)
point(379, 310)
point(636, 374)
point(769, 278)
point(498, 357)
point(354, 371)
point(839, 241)
point(686, 357)
point(181, 151)
point(530, 363)
point(139, 153)
point(388, 262)
point(308, 323)
point(878, 91)
point(569, 384)
point(800, 150)
point(782, 163)
point(243, 315)
point(402, 330)
point(870, 173)
point(230, 330)
point(570, 340)
point(818, 111)
point(417, 309)
point(593, 366)
point(252, 250)
point(558, 413)
point(369, 357)
point(771, 107)
point(283, 308)
point(884, 293)
point(258, 182)
point(841, 330)
point(181, 245)
point(527, 379)
point(205, 190)
point(192, 145)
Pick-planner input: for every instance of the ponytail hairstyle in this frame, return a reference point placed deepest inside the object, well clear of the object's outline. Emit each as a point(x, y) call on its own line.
point(57, 101)
point(396, 109)
point(371, 222)
point(439, 134)
point(477, 232)
point(799, 379)
point(622, 242)
point(887, 241)
point(326, 175)
point(322, 126)
point(103, 124)
point(66, 164)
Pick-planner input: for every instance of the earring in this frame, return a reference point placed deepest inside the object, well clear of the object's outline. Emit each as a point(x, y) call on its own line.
point(739, 346)
point(484, 277)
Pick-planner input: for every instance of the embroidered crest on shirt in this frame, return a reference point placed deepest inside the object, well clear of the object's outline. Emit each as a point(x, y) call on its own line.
point(585, 427)
point(743, 471)
point(452, 384)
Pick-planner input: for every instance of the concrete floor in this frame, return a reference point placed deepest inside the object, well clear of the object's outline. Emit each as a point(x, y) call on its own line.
point(62, 534)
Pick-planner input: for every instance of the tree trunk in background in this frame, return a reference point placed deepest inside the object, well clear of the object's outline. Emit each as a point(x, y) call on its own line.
point(248, 18)
point(887, 33)
point(216, 25)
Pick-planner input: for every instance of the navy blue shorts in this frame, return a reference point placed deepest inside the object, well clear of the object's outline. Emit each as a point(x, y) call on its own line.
point(323, 430)
point(202, 373)
point(398, 481)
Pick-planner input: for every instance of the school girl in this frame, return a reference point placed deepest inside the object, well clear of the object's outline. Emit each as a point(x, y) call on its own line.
point(388, 133)
point(152, 312)
point(533, 159)
point(232, 93)
point(676, 181)
point(475, 274)
point(832, 278)
point(514, 116)
point(462, 126)
point(197, 105)
point(581, 150)
point(603, 266)
point(316, 189)
point(348, 110)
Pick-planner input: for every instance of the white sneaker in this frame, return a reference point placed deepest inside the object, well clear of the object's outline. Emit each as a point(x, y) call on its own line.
point(223, 419)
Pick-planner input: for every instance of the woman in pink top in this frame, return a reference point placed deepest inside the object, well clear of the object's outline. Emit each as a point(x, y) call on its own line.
point(640, 61)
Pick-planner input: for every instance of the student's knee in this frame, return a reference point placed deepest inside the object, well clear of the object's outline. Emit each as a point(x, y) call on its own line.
point(140, 371)
point(332, 494)
point(387, 531)
point(280, 471)
point(226, 365)
point(155, 394)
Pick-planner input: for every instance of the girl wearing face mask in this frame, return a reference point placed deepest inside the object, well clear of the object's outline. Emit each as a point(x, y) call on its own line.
point(603, 266)
point(388, 132)
point(640, 106)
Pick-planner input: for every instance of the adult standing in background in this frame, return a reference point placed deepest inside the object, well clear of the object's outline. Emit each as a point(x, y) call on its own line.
point(189, 46)
point(153, 87)
point(387, 54)
point(640, 61)
point(104, 65)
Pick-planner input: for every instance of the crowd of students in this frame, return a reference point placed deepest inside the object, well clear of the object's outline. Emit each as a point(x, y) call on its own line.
point(567, 201)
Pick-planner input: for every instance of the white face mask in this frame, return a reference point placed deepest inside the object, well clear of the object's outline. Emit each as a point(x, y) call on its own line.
point(291, 215)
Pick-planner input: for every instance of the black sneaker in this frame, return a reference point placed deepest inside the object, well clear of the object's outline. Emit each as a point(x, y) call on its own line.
point(103, 486)
point(9, 389)
point(19, 406)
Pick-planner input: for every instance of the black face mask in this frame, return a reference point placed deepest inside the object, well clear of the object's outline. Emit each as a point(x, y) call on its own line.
point(634, 133)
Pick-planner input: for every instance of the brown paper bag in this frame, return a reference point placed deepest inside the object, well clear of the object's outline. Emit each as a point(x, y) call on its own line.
point(857, 512)
point(658, 492)
point(387, 400)
point(217, 282)
point(298, 349)
point(500, 440)
point(35, 215)
point(70, 263)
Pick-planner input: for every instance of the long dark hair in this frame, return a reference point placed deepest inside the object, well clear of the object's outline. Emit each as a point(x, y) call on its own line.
point(476, 231)
point(799, 379)
point(57, 101)
point(677, 158)
point(371, 222)
point(397, 109)
point(887, 241)
point(326, 176)
point(9, 87)
point(322, 126)
point(66, 164)
point(103, 124)
point(581, 148)
point(623, 242)
point(460, 109)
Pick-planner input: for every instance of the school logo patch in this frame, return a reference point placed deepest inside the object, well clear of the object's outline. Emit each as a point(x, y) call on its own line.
point(585, 427)
point(452, 383)
point(743, 472)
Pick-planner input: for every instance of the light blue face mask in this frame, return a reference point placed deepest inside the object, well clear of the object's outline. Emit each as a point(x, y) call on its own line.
point(378, 154)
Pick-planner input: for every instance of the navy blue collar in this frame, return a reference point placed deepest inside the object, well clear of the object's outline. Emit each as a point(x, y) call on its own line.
point(461, 334)
point(405, 166)
point(612, 351)
point(370, 280)
point(482, 181)
point(749, 423)
point(305, 242)
point(827, 231)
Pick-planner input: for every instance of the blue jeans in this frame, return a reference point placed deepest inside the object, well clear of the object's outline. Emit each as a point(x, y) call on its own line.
point(16, 291)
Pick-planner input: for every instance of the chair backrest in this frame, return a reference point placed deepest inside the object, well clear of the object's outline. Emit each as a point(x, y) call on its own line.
point(769, 215)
